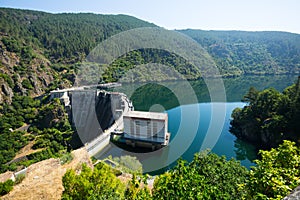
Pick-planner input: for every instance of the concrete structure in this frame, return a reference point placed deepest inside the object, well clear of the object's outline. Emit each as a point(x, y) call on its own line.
point(98, 113)
point(63, 96)
point(99, 143)
point(146, 129)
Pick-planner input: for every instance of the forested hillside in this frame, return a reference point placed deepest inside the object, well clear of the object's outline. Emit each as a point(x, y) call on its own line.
point(41, 51)
point(241, 52)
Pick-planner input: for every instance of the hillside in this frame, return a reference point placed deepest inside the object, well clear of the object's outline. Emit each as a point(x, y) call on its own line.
point(41, 51)
point(242, 52)
point(44, 179)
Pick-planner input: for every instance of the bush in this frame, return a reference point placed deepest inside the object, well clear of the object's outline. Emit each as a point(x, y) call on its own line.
point(19, 178)
point(6, 187)
point(99, 183)
point(276, 174)
point(66, 158)
point(26, 84)
point(12, 45)
point(7, 79)
point(208, 176)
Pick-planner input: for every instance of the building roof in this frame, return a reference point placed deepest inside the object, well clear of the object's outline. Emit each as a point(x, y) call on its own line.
point(146, 115)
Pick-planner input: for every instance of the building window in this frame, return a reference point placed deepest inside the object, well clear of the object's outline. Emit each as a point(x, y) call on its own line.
point(154, 127)
point(137, 128)
point(148, 129)
point(131, 127)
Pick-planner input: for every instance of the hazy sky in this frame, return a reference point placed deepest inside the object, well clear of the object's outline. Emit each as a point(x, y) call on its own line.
point(254, 15)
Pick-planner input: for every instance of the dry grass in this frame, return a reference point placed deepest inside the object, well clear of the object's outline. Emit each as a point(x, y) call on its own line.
point(5, 176)
point(44, 179)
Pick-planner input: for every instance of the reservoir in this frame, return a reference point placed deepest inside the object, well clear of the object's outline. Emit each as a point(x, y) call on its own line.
point(190, 119)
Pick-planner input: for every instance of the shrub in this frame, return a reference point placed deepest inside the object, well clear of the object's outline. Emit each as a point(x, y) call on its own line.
point(19, 178)
point(66, 158)
point(26, 84)
point(6, 187)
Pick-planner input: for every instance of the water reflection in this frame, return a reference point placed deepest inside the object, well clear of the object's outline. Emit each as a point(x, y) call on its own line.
point(158, 97)
point(145, 95)
point(244, 151)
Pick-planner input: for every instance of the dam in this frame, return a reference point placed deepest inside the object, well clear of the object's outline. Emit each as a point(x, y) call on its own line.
point(97, 115)
point(94, 113)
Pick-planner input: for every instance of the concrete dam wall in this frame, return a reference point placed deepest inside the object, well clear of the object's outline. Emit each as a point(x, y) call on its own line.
point(93, 112)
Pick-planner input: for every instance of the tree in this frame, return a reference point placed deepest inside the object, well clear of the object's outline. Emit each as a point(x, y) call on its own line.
point(208, 176)
point(269, 118)
point(137, 189)
point(99, 183)
point(276, 174)
point(251, 95)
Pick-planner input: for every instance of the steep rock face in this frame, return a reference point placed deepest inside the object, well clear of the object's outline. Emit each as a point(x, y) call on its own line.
point(6, 92)
point(22, 77)
point(295, 194)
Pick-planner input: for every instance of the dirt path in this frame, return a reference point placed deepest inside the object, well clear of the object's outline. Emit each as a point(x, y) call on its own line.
point(27, 150)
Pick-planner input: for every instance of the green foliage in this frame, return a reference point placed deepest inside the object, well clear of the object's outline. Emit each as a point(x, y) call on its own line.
point(11, 142)
point(66, 38)
point(6, 187)
point(137, 189)
point(7, 79)
point(52, 115)
point(270, 117)
point(26, 84)
point(128, 164)
point(99, 183)
point(22, 110)
point(19, 178)
point(55, 138)
point(66, 158)
point(208, 176)
point(127, 62)
point(11, 44)
point(242, 52)
point(276, 174)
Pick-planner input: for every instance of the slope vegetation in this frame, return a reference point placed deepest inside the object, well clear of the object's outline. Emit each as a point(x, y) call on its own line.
point(40, 51)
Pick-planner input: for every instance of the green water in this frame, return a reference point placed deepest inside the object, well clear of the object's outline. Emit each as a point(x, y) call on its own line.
point(190, 116)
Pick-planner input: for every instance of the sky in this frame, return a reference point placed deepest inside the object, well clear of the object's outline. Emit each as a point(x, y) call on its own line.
point(250, 15)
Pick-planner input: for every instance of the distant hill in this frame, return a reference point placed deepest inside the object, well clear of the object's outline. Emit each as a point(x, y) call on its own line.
point(242, 52)
point(41, 51)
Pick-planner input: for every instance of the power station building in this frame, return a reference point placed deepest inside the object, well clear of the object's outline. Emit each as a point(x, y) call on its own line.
point(146, 129)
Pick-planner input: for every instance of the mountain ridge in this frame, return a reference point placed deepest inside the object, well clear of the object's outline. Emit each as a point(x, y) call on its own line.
point(41, 51)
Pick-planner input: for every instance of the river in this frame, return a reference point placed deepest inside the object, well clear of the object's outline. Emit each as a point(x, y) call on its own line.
point(191, 120)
